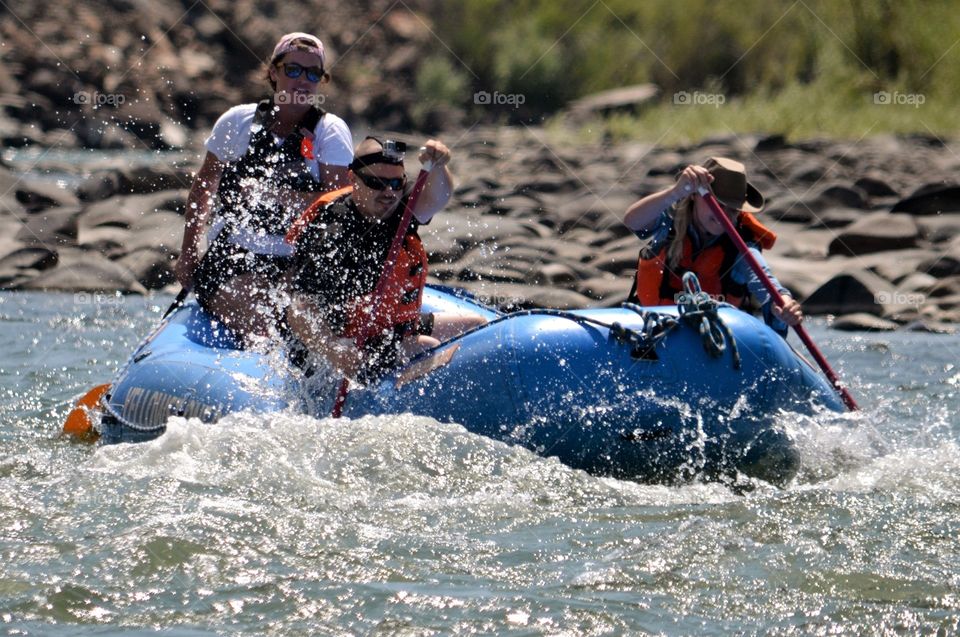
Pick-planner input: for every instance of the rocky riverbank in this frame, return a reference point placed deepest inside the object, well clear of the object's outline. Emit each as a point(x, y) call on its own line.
point(868, 232)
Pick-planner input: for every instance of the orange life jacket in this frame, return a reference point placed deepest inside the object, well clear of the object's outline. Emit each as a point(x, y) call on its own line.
point(657, 284)
point(399, 307)
point(402, 298)
point(300, 223)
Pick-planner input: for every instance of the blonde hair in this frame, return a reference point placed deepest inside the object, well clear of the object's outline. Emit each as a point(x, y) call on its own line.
point(682, 216)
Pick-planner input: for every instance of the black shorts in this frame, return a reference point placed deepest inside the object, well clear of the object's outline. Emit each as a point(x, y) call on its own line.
point(225, 261)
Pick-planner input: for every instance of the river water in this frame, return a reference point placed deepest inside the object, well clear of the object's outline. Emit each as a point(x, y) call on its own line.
point(288, 525)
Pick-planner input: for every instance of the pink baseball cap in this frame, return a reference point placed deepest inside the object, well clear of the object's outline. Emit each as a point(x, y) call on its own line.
point(286, 44)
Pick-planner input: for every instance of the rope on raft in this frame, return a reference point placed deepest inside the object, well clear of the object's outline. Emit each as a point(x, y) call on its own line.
point(696, 309)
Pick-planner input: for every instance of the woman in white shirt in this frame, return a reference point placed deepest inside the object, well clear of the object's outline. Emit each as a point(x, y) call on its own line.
point(265, 164)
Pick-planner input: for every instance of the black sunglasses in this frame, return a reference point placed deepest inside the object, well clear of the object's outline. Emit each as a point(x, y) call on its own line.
point(381, 183)
point(294, 70)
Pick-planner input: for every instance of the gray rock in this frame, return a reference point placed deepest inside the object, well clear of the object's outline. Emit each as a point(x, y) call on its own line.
point(843, 195)
point(160, 230)
point(857, 291)
point(941, 228)
point(30, 258)
point(152, 268)
point(942, 265)
point(110, 241)
point(945, 287)
point(876, 186)
point(618, 99)
point(609, 290)
point(99, 185)
point(835, 217)
point(126, 211)
point(81, 271)
point(451, 234)
point(876, 232)
point(140, 180)
point(863, 322)
point(931, 199)
point(594, 211)
point(930, 327)
point(618, 262)
point(37, 195)
point(53, 226)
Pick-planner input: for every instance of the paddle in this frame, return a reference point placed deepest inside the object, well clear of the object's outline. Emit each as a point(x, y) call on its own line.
point(388, 266)
point(777, 297)
point(79, 423)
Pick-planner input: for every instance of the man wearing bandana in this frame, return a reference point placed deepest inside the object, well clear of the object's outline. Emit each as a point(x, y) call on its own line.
point(341, 245)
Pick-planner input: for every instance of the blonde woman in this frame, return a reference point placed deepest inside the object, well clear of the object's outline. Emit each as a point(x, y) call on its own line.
point(682, 235)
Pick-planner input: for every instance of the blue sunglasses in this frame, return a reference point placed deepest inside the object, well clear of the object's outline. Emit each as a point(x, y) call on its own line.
point(294, 70)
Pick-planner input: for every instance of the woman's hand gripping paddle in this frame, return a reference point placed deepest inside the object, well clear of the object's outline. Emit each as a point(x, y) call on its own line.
point(777, 297)
point(388, 266)
point(79, 422)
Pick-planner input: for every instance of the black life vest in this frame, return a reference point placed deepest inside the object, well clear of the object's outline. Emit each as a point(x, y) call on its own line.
point(398, 310)
point(274, 167)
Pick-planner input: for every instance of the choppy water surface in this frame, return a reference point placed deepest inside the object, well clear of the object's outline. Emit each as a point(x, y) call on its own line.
point(292, 525)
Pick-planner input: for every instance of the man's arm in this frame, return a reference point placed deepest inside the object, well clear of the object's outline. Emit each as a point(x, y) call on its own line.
point(439, 186)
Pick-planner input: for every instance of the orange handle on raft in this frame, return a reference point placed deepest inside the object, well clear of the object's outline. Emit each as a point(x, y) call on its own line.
point(79, 422)
point(777, 297)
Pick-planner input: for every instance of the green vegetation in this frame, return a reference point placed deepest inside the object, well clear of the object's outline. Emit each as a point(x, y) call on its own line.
point(802, 68)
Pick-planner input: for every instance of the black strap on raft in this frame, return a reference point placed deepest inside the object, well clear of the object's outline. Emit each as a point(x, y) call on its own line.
point(643, 342)
point(699, 310)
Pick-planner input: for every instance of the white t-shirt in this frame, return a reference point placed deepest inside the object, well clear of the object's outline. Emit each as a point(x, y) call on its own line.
point(230, 138)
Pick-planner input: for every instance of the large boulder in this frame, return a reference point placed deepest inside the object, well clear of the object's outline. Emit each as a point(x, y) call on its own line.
point(943, 264)
point(53, 226)
point(876, 232)
point(930, 200)
point(863, 322)
point(857, 291)
point(152, 268)
point(81, 271)
point(36, 195)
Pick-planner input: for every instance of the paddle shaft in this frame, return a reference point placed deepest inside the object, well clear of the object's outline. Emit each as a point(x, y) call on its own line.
point(388, 267)
point(801, 331)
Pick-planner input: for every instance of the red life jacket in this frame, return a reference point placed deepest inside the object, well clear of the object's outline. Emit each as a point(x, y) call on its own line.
point(399, 306)
point(657, 284)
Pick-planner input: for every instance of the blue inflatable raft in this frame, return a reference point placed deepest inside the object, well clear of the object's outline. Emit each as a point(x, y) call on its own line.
point(652, 394)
